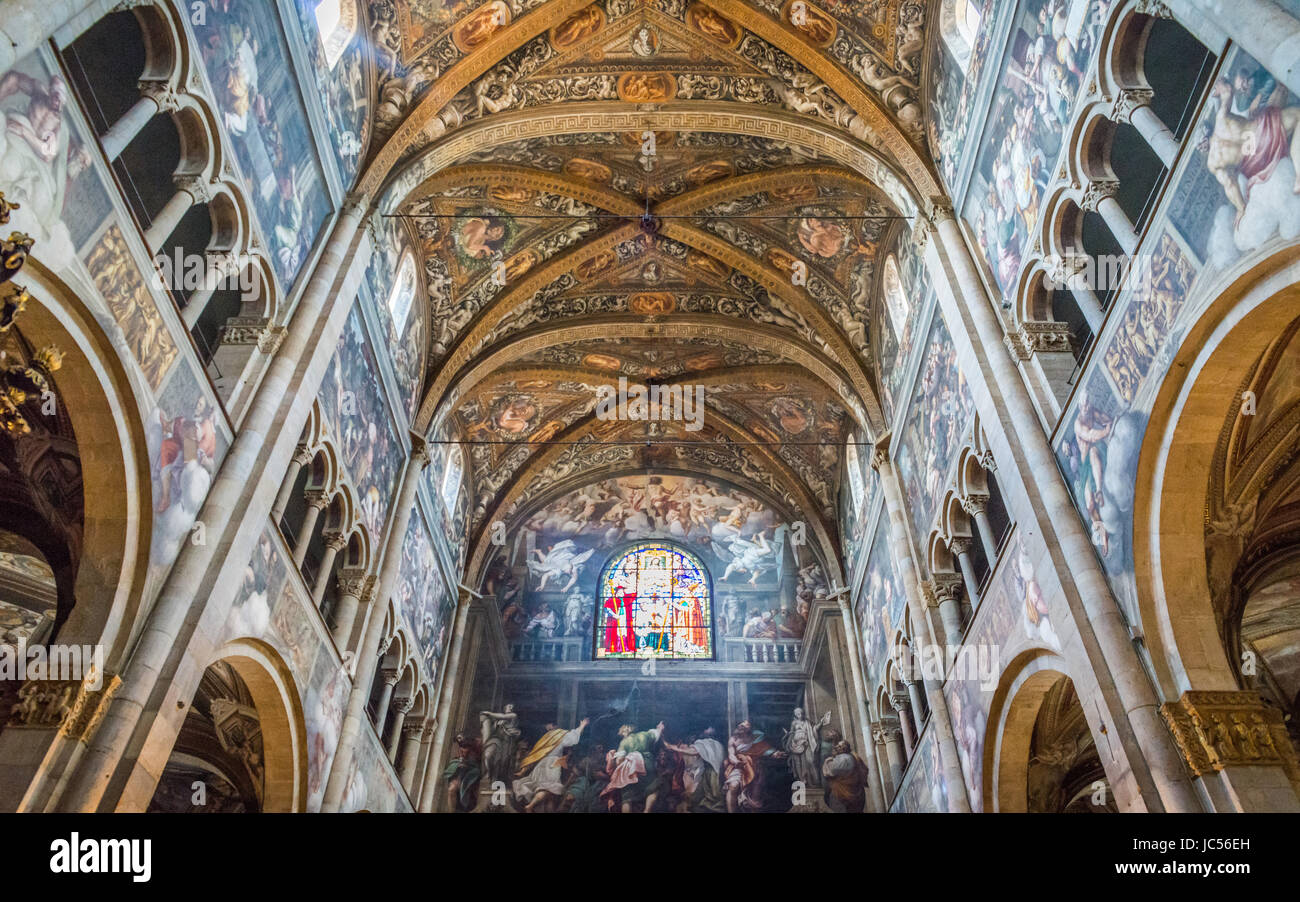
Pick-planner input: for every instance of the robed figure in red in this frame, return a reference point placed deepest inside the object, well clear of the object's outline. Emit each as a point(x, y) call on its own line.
point(618, 613)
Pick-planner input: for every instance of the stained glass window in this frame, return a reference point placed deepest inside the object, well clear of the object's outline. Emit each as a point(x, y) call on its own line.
point(655, 602)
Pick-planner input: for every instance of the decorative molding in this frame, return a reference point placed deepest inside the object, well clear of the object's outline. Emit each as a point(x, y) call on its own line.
point(1217, 730)
point(1128, 100)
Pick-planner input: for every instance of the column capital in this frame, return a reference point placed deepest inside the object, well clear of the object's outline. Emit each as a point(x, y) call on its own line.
point(1033, 337)
point(987, 461)
point(355, 204)
point(1127, 100)
point(419, 450)
point(941, 210)
point(1096, 191)
point(243, 330)
point(900, 700)
point(413, 730)
point(390, 675)
point(384, 643)
point(353, 581)
point(974, 503)
point(196, 187)
point(317, 498)
point(1216, 730)
point(946, 587)
point(335, 541)
point(162, 93)
point(404, 704)
point(1153, 8)
point(302, 455)
point(959, 545)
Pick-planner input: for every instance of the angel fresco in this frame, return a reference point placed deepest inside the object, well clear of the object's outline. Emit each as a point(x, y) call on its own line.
point(560, 560)
point(480, 237)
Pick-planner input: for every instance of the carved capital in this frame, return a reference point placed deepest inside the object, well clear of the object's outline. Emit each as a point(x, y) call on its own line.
point(336, 541)
point(986, 460)
point(900, 701)
point(419, 450)
point(947, 587)
point(404, 704)
point(413, 730)
point(390, 675)
point(353, 582)
point(163, 94)
point(271, 338)
point(1215, 730)
point(1033, 337)
point(879, 458)
point(1153, 8)
point(243, 330)
point(975, 504)
point(316, 498)
point(1128, 100)
point(940, 210)
point(198, 188)
point(960, 545)
point(1096, 191)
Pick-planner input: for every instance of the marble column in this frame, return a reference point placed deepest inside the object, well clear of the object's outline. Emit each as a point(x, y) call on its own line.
point(156, 97)
point(883, 772)
point(947, 596)
point(400, 710)
point(428, 777)
point(164, 667)
point(301, 458)
point(334, 543)
point(190, 191)
point(316, 502)
point(960, 547)
point(1133, 105)
point(389, 675)
point(977, 508)
point(914, 694)
point(902, 707)
point(894, 752)
point(1048, 512)
point(1099, 197)
point(367, 653)
point(353, 583)
point(409, 759)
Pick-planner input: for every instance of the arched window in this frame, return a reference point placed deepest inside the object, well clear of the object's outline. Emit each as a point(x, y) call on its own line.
point(655, 602)
point(853, 462)
point(403, 293)
point(337, 21)
point(450, 490)
point(959, 23)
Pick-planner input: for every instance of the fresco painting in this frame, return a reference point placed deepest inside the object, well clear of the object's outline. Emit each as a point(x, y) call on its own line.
point(880, 603)
point(546, 583)
point(925, 787)
point(392, 278)
point(941, 408)
point(354, 404)
point(1011, 618)
point(953, 93)
point(1050, 49)
point(251, 75)
point(423, 597)
point(323, 707)
point(1238, 194)
point(905, 295)
point(338, 64)
point(186, 444)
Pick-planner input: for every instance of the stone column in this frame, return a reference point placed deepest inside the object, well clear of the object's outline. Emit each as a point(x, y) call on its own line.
point(412, 733)
point(301, 458)
point(894, 753)
point(1099, 197)
point(400, 710)
point(960, 547)
point(884, 774)
point(163, 667)
point(367, 653)
point(316, 502)
point(334, 543)
point(221, 268)
point(390, 676)
point(1070, 273)
point(352, 585)
point(1009, 415)
point(451, 679)
point(902, 707)
point(857, 671)
point(976, 506)
point(156, 97)
point(1133, 105)
point(914, 694)
point(429, 774)
point(947, 597)
point(190, 190)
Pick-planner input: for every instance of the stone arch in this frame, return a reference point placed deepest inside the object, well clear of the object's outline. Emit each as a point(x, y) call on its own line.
point(1250, 309)
point(103, 406)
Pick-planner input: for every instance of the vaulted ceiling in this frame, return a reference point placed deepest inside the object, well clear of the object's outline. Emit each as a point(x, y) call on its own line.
point(564, 247)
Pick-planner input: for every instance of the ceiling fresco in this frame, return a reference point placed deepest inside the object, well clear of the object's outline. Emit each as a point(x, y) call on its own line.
point(689, 193)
